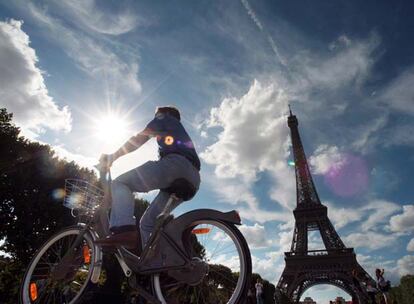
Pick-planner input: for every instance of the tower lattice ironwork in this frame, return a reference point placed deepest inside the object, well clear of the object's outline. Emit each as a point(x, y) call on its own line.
point(305, 268)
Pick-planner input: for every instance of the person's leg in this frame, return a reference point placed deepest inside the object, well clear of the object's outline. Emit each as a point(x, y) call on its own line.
point(174, 167)
point(151, 175)
point(385, 295)
point(149, 217)
point(141, 179)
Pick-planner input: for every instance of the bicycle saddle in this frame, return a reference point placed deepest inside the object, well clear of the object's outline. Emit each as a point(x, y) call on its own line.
point(182, 188)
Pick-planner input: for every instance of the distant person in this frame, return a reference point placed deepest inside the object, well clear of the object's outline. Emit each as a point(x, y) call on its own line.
point(259, 292)
point(372, 292)
point(250, 296)
point(382, 285)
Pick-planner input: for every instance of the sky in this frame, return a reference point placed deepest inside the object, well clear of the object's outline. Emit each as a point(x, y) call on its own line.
point(83, 76)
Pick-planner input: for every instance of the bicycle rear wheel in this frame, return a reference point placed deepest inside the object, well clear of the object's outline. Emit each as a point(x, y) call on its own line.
point(224, 251)
point(56, 274)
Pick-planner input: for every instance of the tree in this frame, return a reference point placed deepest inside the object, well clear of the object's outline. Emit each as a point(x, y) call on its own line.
point(31, 182)
point(31, 210)
point(403, 293)
point(268, 288)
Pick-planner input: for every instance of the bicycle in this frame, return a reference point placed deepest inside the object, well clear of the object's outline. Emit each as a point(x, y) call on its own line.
point(198, 257)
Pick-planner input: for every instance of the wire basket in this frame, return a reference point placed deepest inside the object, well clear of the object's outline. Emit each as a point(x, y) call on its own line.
point(81, 195)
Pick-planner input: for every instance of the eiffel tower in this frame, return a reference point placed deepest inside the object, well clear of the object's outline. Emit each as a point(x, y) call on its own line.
point(306, 268)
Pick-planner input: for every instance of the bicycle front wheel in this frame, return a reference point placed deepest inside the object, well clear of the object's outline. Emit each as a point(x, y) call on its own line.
point(57, 274)
point(224, 251)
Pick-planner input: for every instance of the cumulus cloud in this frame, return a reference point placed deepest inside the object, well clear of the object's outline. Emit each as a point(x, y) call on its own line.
point(370, 239)
point(374, 215)
point(403, 222)
point(255, 236)
point(268, 267)
point(87, 13)
point(410, 245)
point(406, 265)
point(253, 135)
point(23, 90)
point(379, 212)
point(341, 216)
point(252, 139)
point(324, 158)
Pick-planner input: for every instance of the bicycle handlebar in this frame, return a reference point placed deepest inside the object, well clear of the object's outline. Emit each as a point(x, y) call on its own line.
point(104, 173)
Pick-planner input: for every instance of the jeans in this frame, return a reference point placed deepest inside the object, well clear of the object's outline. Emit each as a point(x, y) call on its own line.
point(150, 176)
point(259, 298)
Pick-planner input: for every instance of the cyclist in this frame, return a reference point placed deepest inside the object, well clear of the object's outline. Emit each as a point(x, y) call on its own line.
point(177, 159)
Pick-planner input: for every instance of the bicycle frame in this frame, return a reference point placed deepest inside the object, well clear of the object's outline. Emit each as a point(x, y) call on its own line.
point(165, 246)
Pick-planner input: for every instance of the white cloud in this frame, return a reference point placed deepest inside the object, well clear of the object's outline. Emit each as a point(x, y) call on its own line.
point(324, 158)
point(343, 216)
point(94, 57)
point(252, 140)
point(88, 13)
point(370, 239)
point(23, 90)
point(351, 64)
point(375, 214)
point(253, 133)
point(80, 159)
point(379, 212)
point(255, 236)
point(270, 267)
point(399, 94)
point(405, 265)
point(403, 222)
point(410, 245)
point(285, 240)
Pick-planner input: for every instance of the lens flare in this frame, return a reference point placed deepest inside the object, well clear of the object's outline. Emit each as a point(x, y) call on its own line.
point(348, 178)
point(169, 140)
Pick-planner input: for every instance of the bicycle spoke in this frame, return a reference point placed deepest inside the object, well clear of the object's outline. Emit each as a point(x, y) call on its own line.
point(71, 277)
point(217, 246)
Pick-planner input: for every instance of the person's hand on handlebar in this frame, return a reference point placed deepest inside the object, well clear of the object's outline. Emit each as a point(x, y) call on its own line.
point(106, 160)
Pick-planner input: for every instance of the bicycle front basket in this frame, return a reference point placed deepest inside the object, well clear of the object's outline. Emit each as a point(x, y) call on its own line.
point(82, 195)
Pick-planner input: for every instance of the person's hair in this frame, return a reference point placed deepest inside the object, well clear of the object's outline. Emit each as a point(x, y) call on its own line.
point(171, 110)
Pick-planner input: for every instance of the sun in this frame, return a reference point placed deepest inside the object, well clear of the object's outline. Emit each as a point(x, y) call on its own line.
point(111, 129)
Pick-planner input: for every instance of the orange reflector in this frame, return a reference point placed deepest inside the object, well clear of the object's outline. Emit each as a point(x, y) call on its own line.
point(86, 254)
point(201, 231)
point(33, 291)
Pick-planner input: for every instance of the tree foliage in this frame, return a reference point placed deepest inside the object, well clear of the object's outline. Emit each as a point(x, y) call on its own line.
point(31, 183)
point(403, 293)
point(268, 288)
point(31, 180)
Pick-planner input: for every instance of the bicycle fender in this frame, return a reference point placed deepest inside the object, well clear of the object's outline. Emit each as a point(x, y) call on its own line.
point(97, 267)
point(230, 217)
point(175, 228)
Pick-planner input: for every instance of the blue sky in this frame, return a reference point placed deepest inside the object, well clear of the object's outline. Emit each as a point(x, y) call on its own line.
point(232, 67)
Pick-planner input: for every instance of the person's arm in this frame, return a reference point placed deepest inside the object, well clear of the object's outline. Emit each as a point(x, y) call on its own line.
point(131, 145)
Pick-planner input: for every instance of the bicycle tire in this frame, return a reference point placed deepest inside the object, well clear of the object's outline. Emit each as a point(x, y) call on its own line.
point(245, 259)
point(24, 297)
